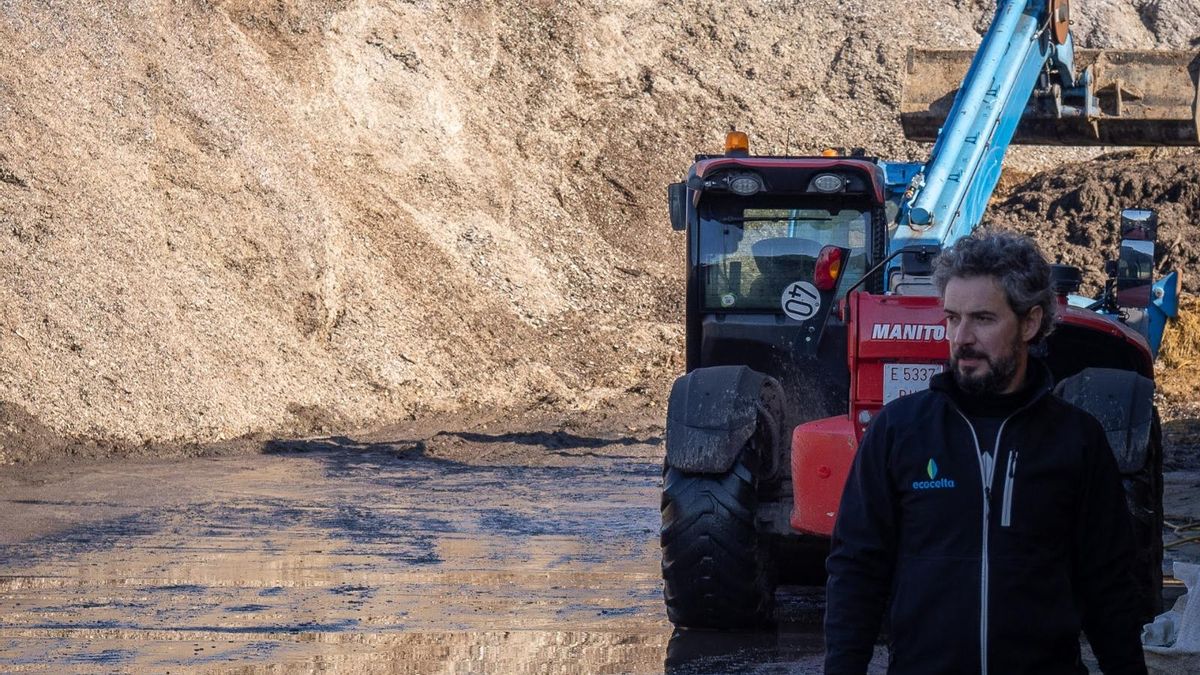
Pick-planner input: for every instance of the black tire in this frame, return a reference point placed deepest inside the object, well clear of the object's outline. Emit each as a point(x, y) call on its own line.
point(717, 568)
point(1120, 400)
point(1144, 496)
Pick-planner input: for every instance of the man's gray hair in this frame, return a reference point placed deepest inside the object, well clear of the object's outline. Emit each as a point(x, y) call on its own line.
point(1013, 260)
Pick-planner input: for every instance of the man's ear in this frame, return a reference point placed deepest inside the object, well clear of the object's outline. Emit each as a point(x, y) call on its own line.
point(1031, 323)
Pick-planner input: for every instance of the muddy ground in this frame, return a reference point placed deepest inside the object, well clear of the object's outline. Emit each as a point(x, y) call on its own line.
point(256, 218)
point(524, 543)
point(395, 554)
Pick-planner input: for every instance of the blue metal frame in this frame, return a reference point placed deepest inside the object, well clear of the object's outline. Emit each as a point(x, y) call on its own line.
point(1164, 304)
point(945, 199)
point(949, 196)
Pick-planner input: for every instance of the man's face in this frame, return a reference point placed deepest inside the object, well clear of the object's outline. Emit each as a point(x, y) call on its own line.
point(988, 341)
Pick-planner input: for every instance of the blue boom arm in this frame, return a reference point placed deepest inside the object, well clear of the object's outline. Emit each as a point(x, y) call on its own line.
point(946, 200)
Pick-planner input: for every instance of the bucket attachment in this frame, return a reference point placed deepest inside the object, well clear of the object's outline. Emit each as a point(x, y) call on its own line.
point(1139, 97)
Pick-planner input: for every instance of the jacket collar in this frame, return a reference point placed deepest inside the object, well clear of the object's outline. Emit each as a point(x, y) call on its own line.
point(1038, 383)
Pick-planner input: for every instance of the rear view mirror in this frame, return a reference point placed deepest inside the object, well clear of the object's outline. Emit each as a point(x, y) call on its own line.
point(1139, 224)
point(677, 202)
point(1135, 273)
point(1135, 262)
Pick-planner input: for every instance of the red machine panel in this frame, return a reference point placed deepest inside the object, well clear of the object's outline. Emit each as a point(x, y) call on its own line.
point(867, 168)
point(1082, 318)
point(895, 345)
point(822, 451)
point(898, 343)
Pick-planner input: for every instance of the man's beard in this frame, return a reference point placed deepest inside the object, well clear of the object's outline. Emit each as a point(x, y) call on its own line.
point(996, 378)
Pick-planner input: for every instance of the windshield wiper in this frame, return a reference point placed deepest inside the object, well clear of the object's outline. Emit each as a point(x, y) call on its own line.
point(759, 219)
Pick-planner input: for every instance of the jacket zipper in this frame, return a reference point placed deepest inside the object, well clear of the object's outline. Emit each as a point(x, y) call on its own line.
point(1009, 481)
point(987, 472)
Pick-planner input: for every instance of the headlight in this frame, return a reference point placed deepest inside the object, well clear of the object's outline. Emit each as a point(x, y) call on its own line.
point(828, 182)
point(745, 184)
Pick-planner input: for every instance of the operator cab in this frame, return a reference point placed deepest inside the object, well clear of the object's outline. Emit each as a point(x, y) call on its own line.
point(762, 234)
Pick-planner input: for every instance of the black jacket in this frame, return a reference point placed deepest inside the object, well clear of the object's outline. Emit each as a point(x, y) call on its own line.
point(1054, 557)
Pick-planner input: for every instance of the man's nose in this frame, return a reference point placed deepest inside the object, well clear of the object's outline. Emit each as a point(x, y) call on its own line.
point(962, 334)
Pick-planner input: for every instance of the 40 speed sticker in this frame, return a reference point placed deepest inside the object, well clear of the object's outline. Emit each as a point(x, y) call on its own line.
point(801, 301)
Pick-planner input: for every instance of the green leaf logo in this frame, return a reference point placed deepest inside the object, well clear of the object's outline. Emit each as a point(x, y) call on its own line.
point(932, 469)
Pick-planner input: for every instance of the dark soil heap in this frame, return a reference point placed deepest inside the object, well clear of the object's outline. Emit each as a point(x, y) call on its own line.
point(1074, 211)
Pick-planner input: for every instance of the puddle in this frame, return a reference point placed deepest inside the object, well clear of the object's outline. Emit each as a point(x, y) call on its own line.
point(359, 561)
point(348, 561)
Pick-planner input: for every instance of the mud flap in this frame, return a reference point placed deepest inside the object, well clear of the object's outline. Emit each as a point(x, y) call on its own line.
point(1123, 401)
point(714, 412)
point(1144, 98)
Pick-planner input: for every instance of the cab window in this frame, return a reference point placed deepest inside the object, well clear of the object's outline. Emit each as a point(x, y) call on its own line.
point(749, 255)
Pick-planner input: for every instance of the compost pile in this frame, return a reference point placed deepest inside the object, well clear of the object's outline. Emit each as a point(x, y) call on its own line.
point(1074, 212)
point(267, 217)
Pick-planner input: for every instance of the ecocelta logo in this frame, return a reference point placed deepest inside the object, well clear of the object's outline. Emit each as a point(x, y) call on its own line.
point(934, 483)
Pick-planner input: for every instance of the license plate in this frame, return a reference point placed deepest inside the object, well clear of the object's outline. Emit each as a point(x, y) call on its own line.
point(901, 379)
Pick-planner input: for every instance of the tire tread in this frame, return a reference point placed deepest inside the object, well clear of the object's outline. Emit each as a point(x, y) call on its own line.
point(716, 567)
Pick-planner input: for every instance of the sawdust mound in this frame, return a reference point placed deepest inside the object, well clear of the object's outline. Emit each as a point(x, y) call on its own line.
point(276, 216)
point(1178, 368)
point(1181, 343)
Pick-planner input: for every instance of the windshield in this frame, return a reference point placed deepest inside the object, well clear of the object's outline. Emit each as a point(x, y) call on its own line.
point(749, 254)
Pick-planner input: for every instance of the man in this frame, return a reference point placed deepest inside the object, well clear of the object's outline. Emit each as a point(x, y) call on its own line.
point(987, 511)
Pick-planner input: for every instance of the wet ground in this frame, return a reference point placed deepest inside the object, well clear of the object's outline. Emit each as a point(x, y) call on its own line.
point(465, 552)
point(361, 558)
